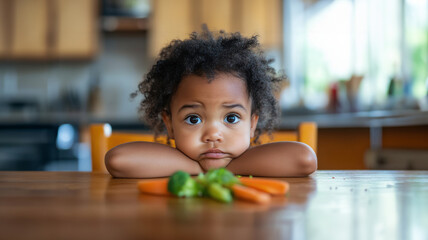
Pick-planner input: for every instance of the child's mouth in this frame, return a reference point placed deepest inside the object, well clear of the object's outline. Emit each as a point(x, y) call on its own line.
point(213, 154)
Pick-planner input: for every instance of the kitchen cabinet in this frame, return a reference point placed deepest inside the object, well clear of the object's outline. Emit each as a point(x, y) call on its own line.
point(29, 35)
point(3, 25)
point(76, 29)
point(176, 19)
point(48, 29)
point(262, 17)
point(347, 148)
point(27, 146)
point(36, 145)
point(170, 20)
point(346, 139)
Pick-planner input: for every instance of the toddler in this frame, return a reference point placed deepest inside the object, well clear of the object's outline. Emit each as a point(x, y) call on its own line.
point(213, 94)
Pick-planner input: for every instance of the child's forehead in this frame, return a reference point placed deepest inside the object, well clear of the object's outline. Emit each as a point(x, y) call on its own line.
point(219, 84)
point(220, 78)
point(209, 78)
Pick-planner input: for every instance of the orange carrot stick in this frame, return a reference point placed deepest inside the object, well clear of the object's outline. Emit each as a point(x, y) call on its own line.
point(274, 187)
point(154, 186)
point(250, 194)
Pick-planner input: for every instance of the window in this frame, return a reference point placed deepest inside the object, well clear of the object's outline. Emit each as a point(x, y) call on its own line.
point(329, 41)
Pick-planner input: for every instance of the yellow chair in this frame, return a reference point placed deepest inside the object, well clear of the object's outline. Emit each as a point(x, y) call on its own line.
point(103, 139)
point(307, 132)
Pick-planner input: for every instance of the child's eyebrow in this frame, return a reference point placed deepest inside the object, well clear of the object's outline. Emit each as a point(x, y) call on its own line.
point(237, 105)
point(188, 106)
point(228, 106)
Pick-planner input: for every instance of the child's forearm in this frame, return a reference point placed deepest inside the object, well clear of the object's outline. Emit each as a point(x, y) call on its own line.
point(147, 160)
point(281, 159)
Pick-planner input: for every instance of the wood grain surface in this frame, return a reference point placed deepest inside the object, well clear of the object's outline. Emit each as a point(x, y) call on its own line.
point(326, 205)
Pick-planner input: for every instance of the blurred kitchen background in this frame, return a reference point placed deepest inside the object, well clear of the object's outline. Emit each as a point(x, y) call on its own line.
point(359, 68)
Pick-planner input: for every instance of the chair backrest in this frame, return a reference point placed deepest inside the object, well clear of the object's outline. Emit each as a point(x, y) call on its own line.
point(103, 139)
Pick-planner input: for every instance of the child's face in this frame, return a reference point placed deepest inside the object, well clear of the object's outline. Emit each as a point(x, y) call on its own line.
point(211, 122)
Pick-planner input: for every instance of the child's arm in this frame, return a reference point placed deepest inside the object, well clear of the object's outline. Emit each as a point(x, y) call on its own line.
point(147, 160)
point(280, 159)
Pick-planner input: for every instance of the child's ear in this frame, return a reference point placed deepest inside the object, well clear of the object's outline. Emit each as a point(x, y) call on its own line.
point(168, 123)
point(254, 120)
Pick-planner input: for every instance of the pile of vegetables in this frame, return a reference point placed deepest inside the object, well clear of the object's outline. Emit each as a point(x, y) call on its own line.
point(219, 184)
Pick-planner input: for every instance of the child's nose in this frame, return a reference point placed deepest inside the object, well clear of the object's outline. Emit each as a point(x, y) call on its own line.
point(212, 133)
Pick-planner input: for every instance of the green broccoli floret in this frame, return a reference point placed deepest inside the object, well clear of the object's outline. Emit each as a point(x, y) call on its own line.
point(215, 184)
point(219, 193)
point(221, 176)
point(182, 185)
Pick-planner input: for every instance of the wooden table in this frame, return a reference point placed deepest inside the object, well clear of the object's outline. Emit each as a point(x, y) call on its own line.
point(327, 205)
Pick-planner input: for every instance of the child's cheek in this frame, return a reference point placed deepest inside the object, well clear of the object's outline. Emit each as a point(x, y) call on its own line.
point(188, 145)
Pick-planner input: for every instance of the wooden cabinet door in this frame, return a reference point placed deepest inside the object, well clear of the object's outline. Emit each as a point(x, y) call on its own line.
point(172, 19)
point(263, 18)
point(218, 14)
point(75, 29)
point(48, 29)
point(29, 28)
point(4, 25)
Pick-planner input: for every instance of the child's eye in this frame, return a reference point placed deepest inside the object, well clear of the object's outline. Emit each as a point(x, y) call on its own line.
point(232, 118)
point(192, 119)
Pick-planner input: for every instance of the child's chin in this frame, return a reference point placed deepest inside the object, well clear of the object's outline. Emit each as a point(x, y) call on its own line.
point(208, 164)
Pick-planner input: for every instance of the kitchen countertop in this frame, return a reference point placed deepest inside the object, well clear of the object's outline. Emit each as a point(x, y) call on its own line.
point(369, 119)
point(288, 120)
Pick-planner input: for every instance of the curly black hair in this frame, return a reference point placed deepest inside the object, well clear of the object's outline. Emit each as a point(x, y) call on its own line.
point(206, 54)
